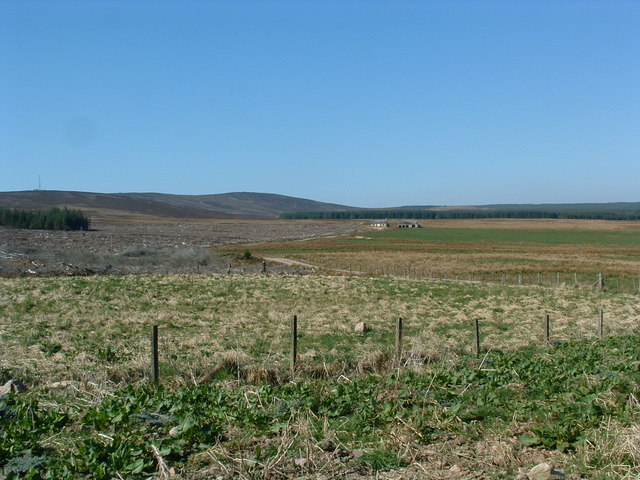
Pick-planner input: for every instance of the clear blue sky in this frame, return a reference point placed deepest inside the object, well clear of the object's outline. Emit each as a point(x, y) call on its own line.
point(366, 103)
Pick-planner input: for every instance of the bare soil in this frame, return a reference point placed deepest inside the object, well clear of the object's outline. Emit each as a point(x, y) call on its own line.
point(121, 248)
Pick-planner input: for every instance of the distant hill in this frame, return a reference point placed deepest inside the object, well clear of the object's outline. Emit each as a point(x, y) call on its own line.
point(129, 206)
point(248, 205)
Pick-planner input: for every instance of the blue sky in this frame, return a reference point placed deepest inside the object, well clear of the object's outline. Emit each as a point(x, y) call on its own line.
point(366, 103)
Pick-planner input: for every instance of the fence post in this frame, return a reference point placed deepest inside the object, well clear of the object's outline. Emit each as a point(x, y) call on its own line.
point(477, 336)
point(601, 324)
point(398, 340)
point(294, 344)
point(547, 329)
point(154, 355)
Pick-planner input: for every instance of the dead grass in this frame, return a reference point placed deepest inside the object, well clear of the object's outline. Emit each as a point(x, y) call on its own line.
point(97, 329)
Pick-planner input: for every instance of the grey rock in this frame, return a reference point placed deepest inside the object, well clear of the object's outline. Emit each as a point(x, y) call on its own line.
point(357, 453)
point(15, 386)
point(544, 471)
point(361, 327)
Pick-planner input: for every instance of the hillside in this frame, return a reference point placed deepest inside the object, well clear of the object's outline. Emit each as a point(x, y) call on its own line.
point(238, 205)
point(248, 205)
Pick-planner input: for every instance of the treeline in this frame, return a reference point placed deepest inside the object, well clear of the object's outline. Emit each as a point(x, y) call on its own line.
point(51, 219)
point(456, 214)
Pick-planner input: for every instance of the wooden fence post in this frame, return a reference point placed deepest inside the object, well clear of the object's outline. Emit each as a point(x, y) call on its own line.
point(398, 340)
point(294, 344)
point(154, 355)
point(601, 324)
point(547, 329)
point(477, 336)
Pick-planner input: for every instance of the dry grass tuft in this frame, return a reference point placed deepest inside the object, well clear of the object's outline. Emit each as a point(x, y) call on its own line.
point(375, 362)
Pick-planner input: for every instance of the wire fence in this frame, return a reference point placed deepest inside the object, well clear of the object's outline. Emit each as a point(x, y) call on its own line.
point(195, 349)
point(616, 283)
point(399, 344)
point(290, 347)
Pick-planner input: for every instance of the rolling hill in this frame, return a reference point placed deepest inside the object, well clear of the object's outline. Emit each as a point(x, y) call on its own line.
point(238, 205)
point(248, 205)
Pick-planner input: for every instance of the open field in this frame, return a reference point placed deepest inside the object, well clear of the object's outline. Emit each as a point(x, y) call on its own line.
point(229, 408)
point(228, 405)
point(546, 251)
point(64, 328)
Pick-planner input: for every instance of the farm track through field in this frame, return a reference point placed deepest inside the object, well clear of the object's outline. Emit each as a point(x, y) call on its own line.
point(295, 263)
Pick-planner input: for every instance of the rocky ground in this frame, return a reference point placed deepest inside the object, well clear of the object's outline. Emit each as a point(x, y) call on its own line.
point(146, 247)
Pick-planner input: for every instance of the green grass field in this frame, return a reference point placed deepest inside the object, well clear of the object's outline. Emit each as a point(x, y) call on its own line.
point(497, 236)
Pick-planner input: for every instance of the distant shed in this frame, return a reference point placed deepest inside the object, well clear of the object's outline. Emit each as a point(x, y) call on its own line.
point(409, 224)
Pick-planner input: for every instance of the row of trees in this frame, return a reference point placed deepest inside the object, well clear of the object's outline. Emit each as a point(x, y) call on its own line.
point(51, 219)
point(457, 214)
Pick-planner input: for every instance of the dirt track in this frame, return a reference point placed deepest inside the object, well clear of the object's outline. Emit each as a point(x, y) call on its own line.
point(144, 248)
